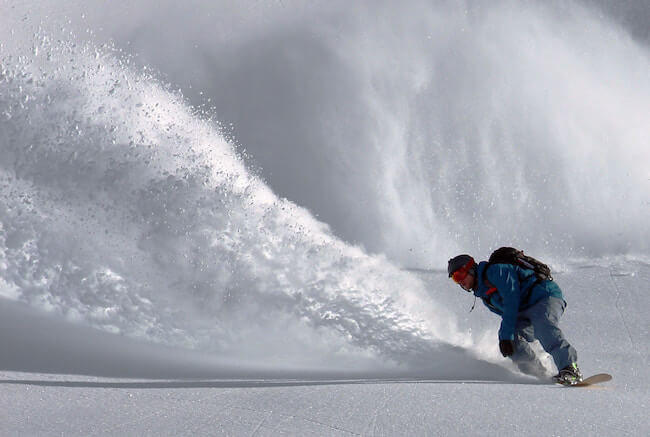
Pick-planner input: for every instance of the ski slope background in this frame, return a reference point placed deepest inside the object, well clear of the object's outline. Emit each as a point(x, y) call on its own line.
point(271, 190)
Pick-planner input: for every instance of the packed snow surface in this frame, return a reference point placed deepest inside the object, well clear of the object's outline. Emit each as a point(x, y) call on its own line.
point(234, 217)
point(606, 321)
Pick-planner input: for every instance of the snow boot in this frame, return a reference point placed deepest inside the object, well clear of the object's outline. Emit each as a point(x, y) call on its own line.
point(570, 375)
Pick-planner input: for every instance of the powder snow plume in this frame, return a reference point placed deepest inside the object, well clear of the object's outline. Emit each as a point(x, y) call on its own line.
point(123, 208)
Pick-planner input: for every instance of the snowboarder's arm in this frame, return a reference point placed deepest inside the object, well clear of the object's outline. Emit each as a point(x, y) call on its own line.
point(505, 279)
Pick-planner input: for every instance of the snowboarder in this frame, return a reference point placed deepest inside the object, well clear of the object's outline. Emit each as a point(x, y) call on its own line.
point(530, 309)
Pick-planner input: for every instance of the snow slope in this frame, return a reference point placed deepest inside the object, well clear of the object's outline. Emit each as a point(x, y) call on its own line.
point(233, 217)
point(610, 331)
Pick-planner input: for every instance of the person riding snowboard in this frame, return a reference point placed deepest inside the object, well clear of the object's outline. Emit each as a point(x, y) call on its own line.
point(530, 308)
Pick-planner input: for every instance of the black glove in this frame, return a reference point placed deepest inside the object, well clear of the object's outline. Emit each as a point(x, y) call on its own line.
point(507, 347)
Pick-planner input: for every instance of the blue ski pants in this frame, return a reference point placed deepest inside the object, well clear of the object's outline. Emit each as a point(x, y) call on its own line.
point(540, 322)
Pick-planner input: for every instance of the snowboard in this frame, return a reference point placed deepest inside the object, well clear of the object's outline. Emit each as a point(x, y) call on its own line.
point(594, 379)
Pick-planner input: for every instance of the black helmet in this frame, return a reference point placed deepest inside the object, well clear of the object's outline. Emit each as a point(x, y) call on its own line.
point(457, 262)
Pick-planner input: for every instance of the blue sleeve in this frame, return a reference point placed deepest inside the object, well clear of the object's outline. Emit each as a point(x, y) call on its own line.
point(504, 277)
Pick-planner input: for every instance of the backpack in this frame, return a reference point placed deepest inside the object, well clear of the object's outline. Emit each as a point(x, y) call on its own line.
point(510, 255)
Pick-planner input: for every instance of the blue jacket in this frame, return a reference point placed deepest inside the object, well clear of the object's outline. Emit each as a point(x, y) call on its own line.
point(512, 286)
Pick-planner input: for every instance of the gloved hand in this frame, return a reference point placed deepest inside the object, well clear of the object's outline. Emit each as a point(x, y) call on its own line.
point(507, 347)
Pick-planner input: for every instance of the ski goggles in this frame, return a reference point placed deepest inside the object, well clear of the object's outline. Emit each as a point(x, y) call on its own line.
point(459, 275)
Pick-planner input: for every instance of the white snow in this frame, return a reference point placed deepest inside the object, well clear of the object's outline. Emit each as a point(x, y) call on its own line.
point(605, 320)
point(154, 280)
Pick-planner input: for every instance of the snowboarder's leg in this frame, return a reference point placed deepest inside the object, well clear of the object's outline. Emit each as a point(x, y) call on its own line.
point(545, 317)
point(524, 356)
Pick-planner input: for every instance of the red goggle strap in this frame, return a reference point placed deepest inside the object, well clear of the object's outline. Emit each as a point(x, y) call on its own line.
point(467, 267)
